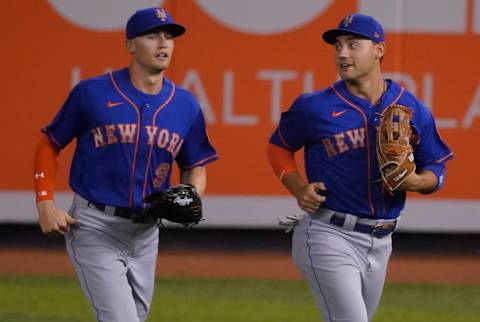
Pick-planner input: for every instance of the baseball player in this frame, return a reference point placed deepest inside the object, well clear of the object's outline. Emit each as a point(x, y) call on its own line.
point(130, 126)
point(342, 243)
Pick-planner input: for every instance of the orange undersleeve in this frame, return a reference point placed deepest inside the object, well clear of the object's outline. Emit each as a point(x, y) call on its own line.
point(281, 160)
point(44, 169)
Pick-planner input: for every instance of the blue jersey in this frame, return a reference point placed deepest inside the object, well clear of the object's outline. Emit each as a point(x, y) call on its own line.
point(338, 130)
point(127, 140)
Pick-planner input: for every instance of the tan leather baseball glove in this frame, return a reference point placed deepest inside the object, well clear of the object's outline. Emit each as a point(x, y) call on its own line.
point(394, 152)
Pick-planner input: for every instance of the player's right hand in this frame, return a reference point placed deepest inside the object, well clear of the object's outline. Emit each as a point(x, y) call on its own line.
point(309, 196)
point(52, 220)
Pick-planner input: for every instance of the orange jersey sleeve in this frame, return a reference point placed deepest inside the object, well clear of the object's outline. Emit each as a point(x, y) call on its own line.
point(44, 169)
point(281, 160)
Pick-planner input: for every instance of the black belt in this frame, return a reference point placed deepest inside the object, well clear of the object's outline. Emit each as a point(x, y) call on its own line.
point(126, 213)
point(379, 230)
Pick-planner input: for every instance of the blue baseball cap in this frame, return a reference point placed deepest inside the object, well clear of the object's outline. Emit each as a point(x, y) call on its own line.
point(356, 24)
point(145, 20)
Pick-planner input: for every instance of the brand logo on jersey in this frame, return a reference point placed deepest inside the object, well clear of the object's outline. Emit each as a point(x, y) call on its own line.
point(161, 14)
point(337, 114)
point(347, 21)
point(126, 134)
point(111, 104)
point(344, 141)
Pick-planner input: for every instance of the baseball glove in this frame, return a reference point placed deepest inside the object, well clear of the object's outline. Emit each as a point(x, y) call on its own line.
point(394, 152)
point(179, 204)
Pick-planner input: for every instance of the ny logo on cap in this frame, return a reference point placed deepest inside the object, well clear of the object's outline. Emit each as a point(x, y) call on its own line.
point(161, 14)
point(348, 20)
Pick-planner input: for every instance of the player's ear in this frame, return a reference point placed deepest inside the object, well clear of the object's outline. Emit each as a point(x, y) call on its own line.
point(379, 50)
point(130, 46)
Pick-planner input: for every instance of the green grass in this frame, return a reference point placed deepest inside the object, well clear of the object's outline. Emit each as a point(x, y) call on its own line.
point(59, 299)
point(422, 302)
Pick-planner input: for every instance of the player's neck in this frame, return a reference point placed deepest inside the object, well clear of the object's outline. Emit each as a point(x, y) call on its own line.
point(371, 89)
point(145, 81)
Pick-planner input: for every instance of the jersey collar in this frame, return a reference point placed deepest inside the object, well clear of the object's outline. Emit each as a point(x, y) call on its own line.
point(388, 98)
point(122, 77)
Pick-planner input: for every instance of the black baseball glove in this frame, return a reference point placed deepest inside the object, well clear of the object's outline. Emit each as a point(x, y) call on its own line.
point(179, 204)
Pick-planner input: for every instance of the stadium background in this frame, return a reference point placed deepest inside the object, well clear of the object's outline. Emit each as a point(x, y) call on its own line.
point(245, 61)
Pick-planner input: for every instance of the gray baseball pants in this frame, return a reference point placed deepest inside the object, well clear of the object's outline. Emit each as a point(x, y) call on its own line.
point(115, 261)
point(345, 269)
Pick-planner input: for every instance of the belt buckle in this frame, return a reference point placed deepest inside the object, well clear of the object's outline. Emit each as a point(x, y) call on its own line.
point(378, 231)
point(93, 206)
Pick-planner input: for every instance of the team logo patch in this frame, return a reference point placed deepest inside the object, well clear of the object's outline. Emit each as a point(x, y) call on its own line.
point(347, 21)
point(162, 14)
point(376, 35)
